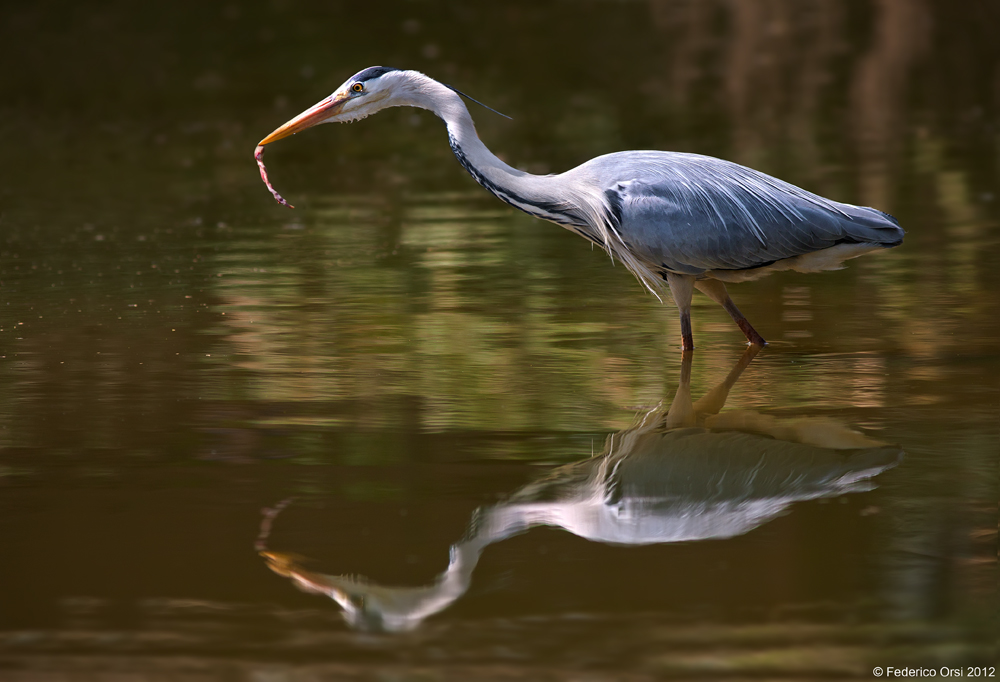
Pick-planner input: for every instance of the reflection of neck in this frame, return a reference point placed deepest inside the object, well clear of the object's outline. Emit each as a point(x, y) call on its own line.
point(371, 606)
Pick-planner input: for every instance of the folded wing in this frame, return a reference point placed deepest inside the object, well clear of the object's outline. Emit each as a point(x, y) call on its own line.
point(687, 214)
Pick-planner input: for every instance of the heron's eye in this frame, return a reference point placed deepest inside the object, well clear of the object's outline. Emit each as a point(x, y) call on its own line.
point(358, 87)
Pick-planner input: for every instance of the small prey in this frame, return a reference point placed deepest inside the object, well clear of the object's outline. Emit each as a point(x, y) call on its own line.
point(258, 154)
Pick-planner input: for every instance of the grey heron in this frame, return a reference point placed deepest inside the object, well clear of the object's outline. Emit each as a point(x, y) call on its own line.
point(687, 220)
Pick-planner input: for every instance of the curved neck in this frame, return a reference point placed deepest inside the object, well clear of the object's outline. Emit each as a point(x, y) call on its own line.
point(427, 93)
point(539, 195)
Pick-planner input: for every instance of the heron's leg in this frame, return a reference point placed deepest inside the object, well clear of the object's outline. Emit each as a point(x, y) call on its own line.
point(716, 291)
point(681, 286)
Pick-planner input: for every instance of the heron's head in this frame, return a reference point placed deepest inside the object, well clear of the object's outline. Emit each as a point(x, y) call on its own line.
point(361, 95)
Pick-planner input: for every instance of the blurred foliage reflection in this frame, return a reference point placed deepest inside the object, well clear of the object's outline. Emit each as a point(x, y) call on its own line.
point(175, 349)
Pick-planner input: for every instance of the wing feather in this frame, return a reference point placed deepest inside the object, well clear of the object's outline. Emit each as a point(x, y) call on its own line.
point(688, 213)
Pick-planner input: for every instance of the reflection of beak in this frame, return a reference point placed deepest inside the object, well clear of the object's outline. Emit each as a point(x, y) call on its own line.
point(317, 113)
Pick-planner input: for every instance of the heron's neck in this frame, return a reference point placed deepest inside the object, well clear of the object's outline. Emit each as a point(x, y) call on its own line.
point(539, 195)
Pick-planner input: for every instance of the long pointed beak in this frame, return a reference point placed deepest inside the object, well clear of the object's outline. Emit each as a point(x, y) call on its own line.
point(315, 114)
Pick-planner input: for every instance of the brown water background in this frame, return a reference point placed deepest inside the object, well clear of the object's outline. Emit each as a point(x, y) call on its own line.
point(178, 353)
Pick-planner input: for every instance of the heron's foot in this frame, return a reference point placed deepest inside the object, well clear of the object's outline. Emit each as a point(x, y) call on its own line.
point(753, 338)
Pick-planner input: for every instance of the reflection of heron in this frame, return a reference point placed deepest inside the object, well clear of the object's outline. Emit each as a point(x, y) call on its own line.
point(692, 221)
point(680, 474)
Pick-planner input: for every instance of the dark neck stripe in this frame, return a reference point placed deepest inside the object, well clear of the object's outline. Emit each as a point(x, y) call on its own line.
point(545, 210)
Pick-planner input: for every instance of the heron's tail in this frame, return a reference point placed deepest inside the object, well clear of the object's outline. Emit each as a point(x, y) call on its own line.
point(865, 225)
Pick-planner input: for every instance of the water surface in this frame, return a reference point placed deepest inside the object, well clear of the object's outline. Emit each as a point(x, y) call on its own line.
point(467, 424)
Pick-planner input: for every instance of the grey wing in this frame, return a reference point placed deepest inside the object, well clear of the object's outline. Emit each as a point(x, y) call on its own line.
point(688, 213)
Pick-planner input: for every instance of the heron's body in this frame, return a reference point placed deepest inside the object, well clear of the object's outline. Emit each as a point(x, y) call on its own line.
point(688, 220)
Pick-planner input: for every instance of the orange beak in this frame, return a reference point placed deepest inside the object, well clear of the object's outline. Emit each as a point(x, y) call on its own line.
point(313, 115)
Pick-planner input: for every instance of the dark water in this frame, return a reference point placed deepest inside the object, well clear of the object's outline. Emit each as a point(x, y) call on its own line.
point(461, 424)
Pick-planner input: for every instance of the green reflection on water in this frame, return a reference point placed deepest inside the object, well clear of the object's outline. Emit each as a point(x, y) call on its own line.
point(161, 320)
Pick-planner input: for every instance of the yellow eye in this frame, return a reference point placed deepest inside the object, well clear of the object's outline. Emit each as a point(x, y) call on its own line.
point(358, 87)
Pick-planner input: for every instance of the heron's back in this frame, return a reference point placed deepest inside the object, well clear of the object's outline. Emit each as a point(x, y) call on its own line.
point(689, 214)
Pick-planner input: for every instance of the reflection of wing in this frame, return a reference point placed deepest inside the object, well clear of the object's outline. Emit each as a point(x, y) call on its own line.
point(822, 432)
point(692, 484)
point(689, 484)
point(699, 466)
